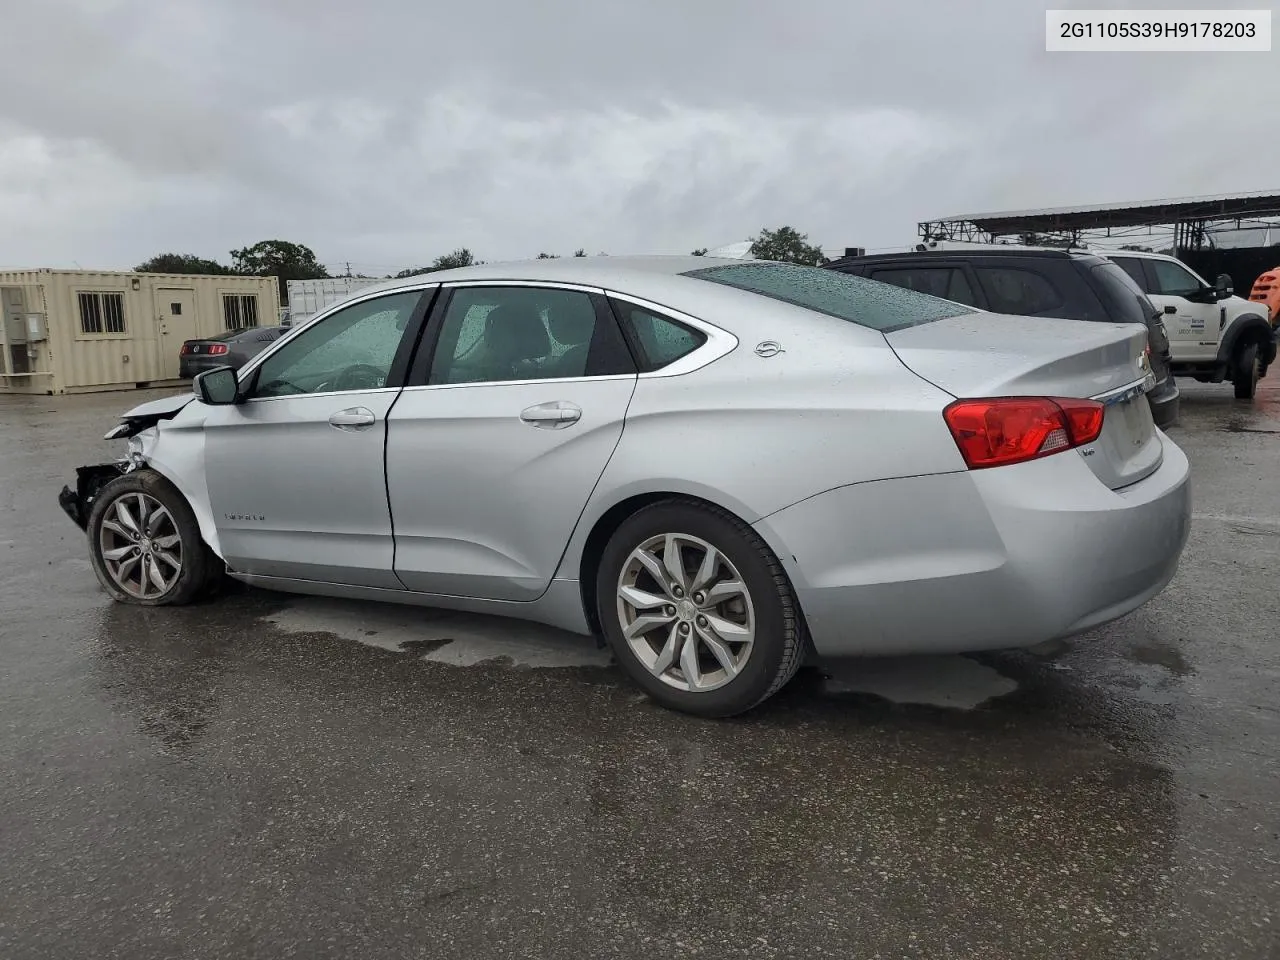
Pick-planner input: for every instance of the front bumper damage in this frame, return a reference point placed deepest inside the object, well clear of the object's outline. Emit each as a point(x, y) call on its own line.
point(89, 483)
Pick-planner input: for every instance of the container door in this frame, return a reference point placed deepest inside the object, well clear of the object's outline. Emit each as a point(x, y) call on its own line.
point(176, 313)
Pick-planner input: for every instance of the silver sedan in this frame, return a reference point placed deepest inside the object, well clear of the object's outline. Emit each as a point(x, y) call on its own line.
point(719, 467)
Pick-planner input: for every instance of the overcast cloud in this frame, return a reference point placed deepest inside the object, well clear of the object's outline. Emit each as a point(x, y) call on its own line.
point(387, 133)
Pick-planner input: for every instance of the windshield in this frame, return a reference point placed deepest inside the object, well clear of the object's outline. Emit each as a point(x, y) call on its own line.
point(868, 303)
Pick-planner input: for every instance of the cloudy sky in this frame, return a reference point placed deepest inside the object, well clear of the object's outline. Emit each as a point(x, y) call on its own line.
point(388, 132)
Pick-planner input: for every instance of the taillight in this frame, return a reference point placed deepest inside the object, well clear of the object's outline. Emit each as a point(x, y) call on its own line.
point(186, 349)
point(217, 349)
point(999, 431)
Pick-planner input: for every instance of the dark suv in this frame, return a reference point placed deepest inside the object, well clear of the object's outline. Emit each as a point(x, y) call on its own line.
point(1033, 283)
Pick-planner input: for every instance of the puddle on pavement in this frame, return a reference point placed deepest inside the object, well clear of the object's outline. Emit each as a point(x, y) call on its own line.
point(1152, 654)
point(465, 640)
point(456, 639)
point(954, 682)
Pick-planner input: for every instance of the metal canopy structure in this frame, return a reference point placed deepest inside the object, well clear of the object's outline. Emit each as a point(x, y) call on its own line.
point(1192, 221)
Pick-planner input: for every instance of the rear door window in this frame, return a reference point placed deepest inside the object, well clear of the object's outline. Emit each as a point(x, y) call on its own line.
point(949, 283)
point(1018, 290)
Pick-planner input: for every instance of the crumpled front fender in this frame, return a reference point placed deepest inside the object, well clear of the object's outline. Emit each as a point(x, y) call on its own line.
point(89, 483)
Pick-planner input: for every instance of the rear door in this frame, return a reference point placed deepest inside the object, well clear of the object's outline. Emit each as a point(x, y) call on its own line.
point(515, 406)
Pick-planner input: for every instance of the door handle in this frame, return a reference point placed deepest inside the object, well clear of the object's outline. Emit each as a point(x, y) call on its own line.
point(353, 418)
point(553, 415)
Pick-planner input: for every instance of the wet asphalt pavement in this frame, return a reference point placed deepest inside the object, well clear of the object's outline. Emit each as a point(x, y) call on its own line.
point(269, 776)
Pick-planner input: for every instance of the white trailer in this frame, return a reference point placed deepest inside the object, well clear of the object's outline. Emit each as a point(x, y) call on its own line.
point(309, 297)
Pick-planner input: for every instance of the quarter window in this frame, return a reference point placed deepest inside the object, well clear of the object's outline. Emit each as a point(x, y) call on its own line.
point(352, 349)
point(949, 283)
point(240, 310)
point(497, 334)
point(1014, 290)
point(1133, 267)
point(1173, 279)
point(101, 312)
point(659, 340)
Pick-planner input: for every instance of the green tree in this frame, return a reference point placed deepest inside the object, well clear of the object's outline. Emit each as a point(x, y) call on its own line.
point(278, 258)
point(180, 263)
point(700, 252)
point(462, 257)
point(787, 245)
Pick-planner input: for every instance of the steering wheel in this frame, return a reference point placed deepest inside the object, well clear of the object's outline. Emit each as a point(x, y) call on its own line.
point(361, 376)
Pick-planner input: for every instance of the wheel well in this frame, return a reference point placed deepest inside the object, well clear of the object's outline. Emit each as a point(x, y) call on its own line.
point(599, 537)
point(1252, 329)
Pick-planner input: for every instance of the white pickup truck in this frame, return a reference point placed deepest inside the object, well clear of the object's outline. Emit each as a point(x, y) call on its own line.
point(1213, 334)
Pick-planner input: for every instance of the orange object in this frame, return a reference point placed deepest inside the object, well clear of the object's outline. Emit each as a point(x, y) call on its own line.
point(1266, 289)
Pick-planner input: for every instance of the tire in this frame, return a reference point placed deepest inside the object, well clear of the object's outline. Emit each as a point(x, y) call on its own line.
point(174, 533)
point(655, 658)
point(1244, 373)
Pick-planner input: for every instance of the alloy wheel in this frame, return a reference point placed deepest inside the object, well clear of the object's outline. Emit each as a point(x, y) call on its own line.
point(141, 547)
point(686, 612)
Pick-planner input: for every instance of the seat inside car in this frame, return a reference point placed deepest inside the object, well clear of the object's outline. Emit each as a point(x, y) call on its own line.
point(513, 335)
point(572, 329)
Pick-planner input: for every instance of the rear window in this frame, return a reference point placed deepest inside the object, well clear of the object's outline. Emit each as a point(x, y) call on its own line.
point(1124, 299)
point(867, 303)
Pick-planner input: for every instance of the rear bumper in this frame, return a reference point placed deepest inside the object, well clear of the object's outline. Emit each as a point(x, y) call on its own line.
point(1166, 403)
point(193, 366)
point(981, 560)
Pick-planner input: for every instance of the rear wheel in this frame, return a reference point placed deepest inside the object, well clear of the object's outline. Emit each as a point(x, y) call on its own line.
point(145, 543)
point(698, 610)
point(1244, 376)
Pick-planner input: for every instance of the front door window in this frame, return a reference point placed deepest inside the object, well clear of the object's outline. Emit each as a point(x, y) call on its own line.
point(352, 349)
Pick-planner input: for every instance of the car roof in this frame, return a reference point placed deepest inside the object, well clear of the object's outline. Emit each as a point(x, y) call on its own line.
point(1038, 253)
point(602, 271)
point(1142, 254)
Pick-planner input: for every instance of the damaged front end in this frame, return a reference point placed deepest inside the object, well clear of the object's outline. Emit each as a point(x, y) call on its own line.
point(92, 478)
point(89, 482)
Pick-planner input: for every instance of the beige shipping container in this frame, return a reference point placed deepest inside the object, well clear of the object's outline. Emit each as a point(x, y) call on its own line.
point(69, 331)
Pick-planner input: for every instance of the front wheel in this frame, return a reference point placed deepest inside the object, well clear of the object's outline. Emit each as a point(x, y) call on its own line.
point(145, 543)
point(1245, 375)
point(697, 609)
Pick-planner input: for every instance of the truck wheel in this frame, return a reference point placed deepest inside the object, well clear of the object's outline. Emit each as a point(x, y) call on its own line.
point(1244, 376)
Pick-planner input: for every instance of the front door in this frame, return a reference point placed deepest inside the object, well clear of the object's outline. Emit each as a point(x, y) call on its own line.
point(176, 313)
point(1193, 326)
point(492, 455)
point(296, 474)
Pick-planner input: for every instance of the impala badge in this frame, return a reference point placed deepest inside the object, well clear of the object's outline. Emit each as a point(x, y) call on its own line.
point(768, 348)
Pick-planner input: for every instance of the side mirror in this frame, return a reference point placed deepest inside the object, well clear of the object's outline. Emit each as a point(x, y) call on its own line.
point(1223, 286)
point(218, 387)
point(1170, 309)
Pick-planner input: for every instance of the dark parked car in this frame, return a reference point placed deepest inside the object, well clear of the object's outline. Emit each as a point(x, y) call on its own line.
point(231, 349)
point(1034, 283)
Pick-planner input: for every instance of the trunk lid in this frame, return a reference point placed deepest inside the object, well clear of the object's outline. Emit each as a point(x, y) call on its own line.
point(996, 355)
